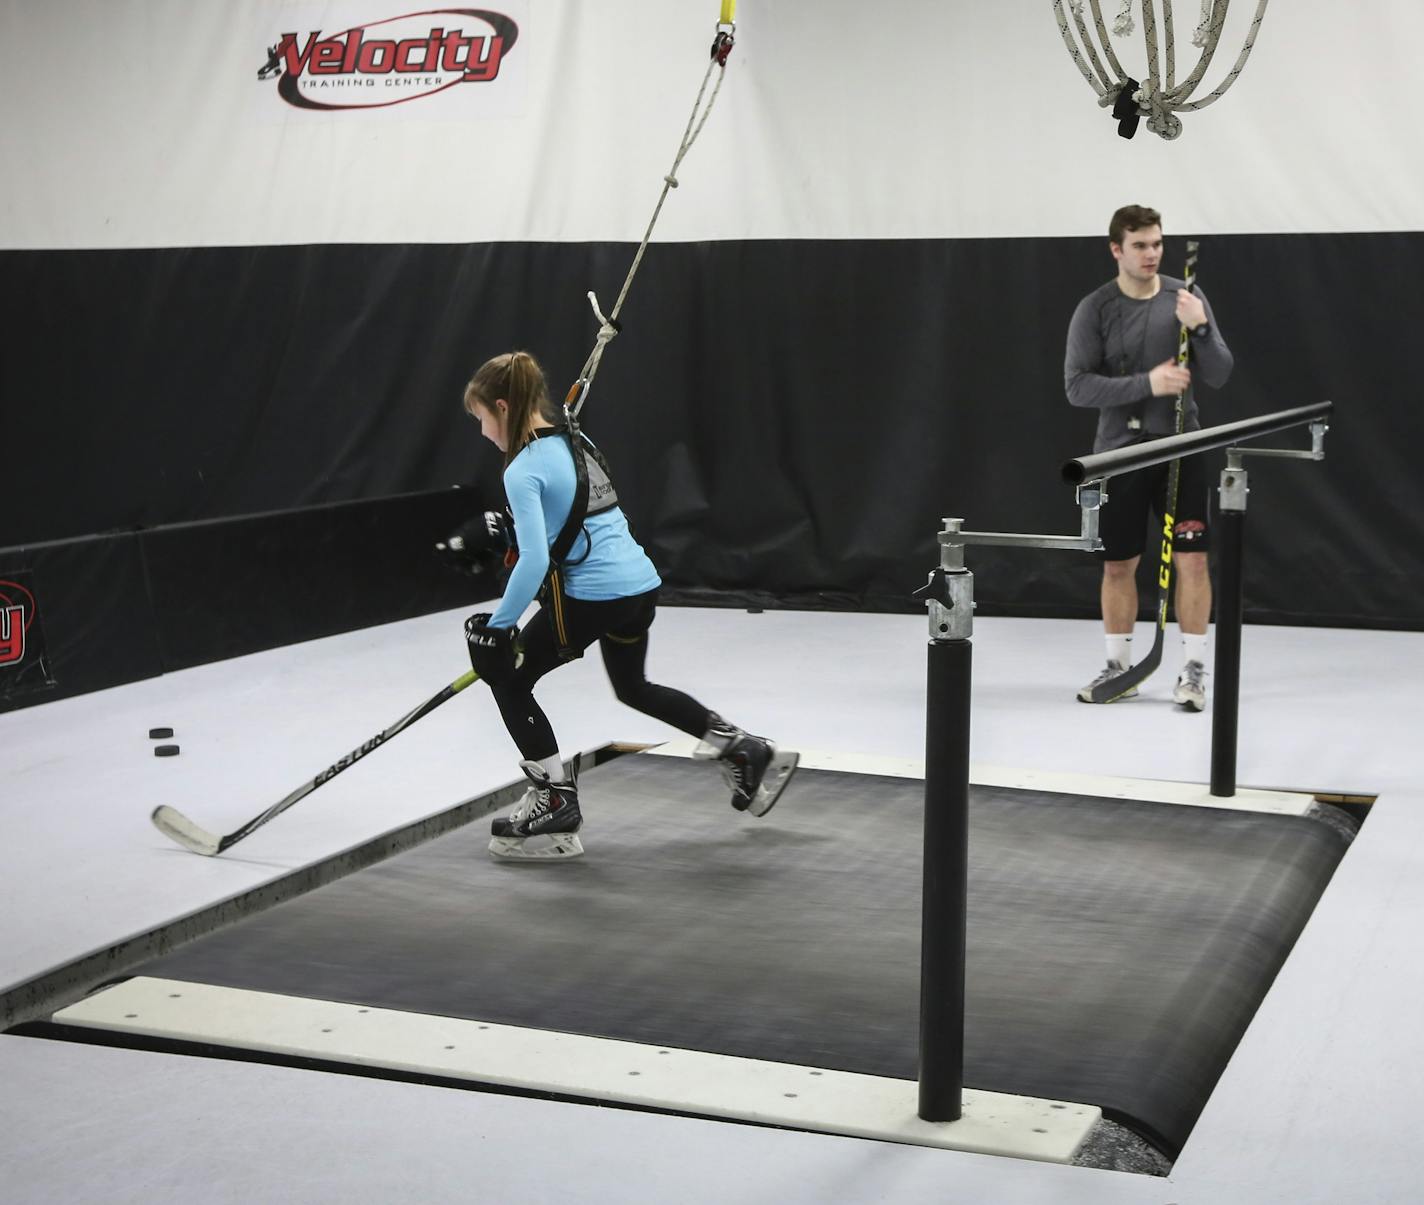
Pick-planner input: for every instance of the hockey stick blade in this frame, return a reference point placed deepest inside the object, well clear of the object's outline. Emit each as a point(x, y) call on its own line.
point(1130, 678)
point(177, 827)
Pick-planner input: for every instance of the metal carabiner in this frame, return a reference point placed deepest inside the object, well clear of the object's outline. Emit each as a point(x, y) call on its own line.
point(722, 43)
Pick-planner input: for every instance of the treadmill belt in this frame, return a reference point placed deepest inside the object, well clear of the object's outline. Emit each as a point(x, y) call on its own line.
point(1116, 949)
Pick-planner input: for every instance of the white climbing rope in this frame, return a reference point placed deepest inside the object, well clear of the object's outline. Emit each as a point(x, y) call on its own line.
point(1159, 97)
point(608, 325)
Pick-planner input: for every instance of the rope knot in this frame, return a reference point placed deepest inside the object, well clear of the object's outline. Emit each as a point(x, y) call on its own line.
point(608, 328)
point(1203, 33)
point(1122, 23)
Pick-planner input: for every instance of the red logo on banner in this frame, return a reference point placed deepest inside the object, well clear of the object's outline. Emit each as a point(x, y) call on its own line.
point(17, 612)
point(407, 58)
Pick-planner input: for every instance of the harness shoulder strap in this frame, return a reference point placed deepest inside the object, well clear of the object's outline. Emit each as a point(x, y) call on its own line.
point(594, 492)
point(578, 509)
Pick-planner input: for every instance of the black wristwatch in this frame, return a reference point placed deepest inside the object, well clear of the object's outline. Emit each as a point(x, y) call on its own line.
point(1202, 331)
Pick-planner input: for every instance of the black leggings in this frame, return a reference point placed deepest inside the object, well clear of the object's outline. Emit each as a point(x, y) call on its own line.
point(620, 626)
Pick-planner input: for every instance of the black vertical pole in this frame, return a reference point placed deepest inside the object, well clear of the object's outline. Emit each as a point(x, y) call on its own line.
point(950, 596)
point(1230, 543)
point(946, 871)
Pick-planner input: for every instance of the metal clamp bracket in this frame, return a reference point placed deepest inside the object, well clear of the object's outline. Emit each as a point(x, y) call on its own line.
point(949, 592)
point(1091, 496)
point(950, 589)
point(1316, 452)
point(1234, 480)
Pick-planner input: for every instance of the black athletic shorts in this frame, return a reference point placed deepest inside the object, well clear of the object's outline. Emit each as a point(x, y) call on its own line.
point(1135, 497)
point(617, 623)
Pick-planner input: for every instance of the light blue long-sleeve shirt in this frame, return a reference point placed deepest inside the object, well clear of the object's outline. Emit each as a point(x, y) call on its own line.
point(539, 484)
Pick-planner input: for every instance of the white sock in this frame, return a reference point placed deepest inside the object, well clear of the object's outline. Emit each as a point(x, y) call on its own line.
point(1120, 647)
point(554, 768)
point(1193, 647)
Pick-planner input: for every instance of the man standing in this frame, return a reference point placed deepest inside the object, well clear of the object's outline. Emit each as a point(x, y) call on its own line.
point(1122, 362)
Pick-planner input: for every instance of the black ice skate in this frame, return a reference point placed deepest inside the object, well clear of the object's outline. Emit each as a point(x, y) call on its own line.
point(752, 766)
point(545, 825)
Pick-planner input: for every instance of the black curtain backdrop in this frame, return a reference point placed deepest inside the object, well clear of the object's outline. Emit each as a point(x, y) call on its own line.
point(787, 421)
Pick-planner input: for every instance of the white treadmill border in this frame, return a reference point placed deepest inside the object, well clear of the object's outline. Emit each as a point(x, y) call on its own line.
point(574, 1065)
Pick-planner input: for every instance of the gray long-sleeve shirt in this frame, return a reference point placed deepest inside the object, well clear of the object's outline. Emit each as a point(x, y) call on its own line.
point(1114, 342)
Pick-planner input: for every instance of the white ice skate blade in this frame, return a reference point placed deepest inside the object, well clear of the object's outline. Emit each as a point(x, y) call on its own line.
point(547, 847)
point(598, 1069)
point(778, 773)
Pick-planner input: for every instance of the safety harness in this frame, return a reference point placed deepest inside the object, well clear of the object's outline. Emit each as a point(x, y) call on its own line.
point(594, 493)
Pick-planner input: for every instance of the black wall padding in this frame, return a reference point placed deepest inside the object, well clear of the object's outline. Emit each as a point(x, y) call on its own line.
point(226, 588)
point(91, 597)
point(791, 418)
point(131, 605)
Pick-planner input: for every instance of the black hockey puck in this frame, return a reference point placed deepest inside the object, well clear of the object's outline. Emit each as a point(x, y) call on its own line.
point(753, 610)
point(165, 751)
point(158, 734)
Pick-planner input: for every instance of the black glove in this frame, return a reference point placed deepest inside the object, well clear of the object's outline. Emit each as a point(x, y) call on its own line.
point(494, 652)
point(492, 531)
point(481, 545)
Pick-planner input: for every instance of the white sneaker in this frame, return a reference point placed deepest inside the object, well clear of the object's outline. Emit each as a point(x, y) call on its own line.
point(1190, 691)
point(1110, 671)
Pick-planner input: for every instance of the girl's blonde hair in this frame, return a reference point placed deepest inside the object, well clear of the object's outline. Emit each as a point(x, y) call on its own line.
point(517, 378)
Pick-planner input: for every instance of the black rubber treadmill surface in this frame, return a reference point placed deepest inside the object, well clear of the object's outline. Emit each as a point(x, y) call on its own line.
point(1116, 949)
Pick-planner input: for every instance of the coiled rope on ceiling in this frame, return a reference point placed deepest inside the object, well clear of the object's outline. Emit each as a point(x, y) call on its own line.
point(1158, 98)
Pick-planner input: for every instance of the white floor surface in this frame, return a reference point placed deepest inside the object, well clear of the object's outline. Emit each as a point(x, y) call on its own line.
point(1317, 1105)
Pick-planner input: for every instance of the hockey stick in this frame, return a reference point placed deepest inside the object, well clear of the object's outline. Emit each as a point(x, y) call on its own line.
point(173, 824)
point(1115, 688)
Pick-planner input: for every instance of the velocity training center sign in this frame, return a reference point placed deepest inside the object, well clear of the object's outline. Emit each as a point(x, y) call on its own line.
point(389, 60)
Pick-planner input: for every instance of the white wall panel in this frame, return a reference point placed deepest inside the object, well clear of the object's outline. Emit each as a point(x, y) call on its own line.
point(131, 123)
